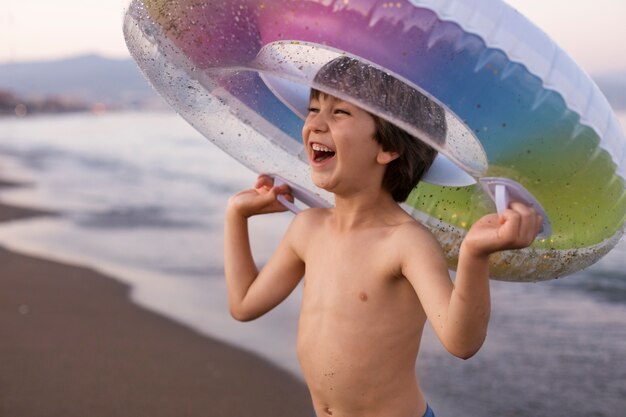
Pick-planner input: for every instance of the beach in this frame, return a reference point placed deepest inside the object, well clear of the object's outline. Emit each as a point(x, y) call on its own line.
point(73, 344)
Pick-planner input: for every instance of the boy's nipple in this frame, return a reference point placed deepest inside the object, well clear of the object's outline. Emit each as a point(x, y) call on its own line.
point(363, 296)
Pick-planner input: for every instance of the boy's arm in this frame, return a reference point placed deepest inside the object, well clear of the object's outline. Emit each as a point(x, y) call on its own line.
point(252, 293)
point(460, 313)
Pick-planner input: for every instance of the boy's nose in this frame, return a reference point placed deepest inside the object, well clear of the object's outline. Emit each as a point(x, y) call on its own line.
point(316, 122)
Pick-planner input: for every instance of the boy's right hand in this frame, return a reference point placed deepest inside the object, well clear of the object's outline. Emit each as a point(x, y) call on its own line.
point(259, 200)
point(516, 228)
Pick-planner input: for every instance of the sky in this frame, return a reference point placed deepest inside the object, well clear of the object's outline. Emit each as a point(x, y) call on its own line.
point(592, 32)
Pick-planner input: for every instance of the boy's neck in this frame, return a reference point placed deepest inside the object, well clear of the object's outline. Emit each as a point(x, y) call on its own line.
point(364, 209)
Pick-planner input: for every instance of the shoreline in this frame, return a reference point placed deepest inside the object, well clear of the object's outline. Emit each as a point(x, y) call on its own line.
point(72, 342)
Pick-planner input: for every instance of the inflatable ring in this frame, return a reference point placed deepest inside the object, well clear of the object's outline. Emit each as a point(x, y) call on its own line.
point(516, 106)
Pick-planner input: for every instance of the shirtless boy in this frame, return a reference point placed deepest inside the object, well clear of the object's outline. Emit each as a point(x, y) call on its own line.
point(372, 274)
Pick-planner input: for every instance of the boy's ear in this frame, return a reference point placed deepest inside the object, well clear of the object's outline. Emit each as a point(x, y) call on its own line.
point(384, 157)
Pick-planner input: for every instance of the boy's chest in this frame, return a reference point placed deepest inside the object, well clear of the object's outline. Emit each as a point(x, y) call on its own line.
point(358, 264)
point(356, 279)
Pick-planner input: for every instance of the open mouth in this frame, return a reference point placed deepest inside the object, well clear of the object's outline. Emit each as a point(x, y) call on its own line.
point(321, 152)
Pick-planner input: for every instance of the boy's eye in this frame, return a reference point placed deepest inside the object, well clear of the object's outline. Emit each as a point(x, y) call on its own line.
point(342, 111)
point(313, 110)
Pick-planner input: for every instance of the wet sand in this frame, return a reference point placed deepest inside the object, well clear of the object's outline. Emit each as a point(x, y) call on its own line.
point(72, 344)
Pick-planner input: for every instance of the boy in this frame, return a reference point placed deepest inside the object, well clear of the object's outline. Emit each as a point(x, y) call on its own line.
point(372, 274)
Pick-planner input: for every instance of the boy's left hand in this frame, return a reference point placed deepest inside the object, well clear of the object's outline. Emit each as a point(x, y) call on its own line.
point(515, 228)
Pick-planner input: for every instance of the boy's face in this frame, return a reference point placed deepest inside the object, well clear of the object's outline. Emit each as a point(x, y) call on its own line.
point(339, 140)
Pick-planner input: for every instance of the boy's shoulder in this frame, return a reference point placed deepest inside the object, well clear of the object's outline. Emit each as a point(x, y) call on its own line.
point(417, 250)
point(311, 216)
point(304, 226)
point(413, 234)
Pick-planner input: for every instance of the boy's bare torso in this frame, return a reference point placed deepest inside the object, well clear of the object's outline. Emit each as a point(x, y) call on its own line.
point(361, 320)
point(364, 262)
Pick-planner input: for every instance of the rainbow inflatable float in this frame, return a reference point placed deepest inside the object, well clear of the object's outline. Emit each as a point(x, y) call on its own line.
point(517, 107)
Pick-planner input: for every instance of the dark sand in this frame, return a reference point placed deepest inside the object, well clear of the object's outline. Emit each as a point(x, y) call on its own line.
point(72, 344)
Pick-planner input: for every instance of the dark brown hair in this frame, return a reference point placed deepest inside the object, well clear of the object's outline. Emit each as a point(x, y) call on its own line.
point(379, 90)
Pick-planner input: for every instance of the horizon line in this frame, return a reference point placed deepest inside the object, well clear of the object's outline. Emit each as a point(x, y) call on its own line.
point(68, 57)
point(125, 57)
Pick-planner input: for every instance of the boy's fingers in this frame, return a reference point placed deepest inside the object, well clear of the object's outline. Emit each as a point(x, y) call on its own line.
point(539, 224)
point(525, 224)
point(531, 224)
point(522, 208)
point(287, 194)
point(510, 220)
point(264, 181)
point(282, 189)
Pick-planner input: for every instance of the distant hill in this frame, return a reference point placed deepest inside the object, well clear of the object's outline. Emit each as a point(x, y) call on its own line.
point(89, 78)
point(614, 88)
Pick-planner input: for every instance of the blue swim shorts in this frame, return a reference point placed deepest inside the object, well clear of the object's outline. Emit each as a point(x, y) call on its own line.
point(429, 412)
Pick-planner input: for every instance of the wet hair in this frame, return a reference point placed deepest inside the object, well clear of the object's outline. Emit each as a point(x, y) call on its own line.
point(366, 84)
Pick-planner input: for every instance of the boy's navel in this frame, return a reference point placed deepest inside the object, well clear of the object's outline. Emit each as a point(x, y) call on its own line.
point(362, 296)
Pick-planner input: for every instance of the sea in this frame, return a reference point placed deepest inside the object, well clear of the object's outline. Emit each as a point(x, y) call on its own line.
point(140, 196)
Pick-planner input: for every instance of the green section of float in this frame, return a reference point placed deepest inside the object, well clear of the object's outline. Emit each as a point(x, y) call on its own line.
point(575, 183)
